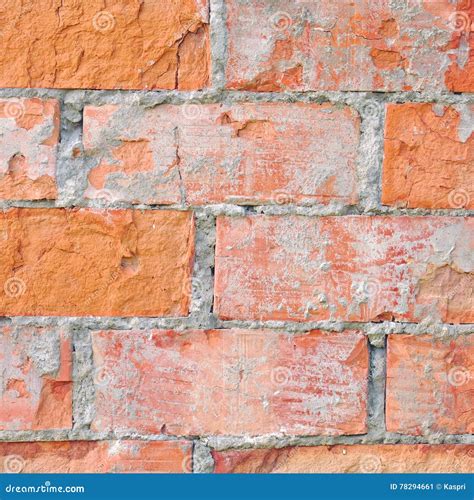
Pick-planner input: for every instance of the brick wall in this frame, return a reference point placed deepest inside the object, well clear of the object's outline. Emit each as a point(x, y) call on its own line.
point(237, 236)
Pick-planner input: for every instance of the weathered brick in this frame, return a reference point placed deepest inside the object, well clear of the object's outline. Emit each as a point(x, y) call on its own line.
point(430, 385)
point(96, 457)
point(58, 262)
point(230, 382)
point(35, 379)
point(429, 156)
point(245, 153)
point(144, 44)
point(350, 45)
point(345, 268)
point(29, 133)
point(399, 458)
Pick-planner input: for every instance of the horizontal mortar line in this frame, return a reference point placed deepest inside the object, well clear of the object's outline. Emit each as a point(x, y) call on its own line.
point(228, 96)
point(223, 442)
point(247, 210)
point(188, 323)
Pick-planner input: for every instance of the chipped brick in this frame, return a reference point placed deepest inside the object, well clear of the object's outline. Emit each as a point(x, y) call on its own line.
point(344, 268)
point(244, 153)
point(230, 382)
point(60, 262)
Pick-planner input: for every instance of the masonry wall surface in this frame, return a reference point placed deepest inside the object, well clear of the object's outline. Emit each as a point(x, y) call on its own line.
point(237, 236)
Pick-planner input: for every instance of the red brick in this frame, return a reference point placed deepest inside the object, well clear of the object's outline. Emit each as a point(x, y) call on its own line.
point(399, 458)
point(278, 45)
point(230, 382)
point(96, 457)
point(344, 268)
point(429, 156)
point(29, 133)
point(244, 153)
point(35, 376)
point(144, 44)
point(58, 262)
point(430, 384)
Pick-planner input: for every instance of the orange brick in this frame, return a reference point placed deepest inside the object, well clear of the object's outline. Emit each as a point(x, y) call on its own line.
point(278, 45)
point(96, 457)
point(244, 153)
point(29, 133)
point(59, 262)
point(36, 379)
point(429, 156)
point(230, 382)
point(399, 458)
point(430, 385)
point(116, 44)
point(344, 268)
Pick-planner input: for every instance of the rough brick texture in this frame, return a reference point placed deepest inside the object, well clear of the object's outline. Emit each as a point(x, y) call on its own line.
point(35, 378)
point(430, 385)
point(384, 45)
point(350, 268)
point(356, 459)
point(29, 133)
point(94, 457)
point(429, 156)
point(247, 153)
point(125, 45)
point(230, 382)
point(115, 263)
point(232, 231)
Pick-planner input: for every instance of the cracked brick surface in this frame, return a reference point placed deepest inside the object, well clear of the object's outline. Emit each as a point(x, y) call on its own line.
point(105, 45)
point(344, 268)
point(236, 236)
point(249, 153)
point(277, 45)
point(81, 457)
point(430, 385)
point(230, 382)
point(356, 459)
point(112, 263)
point(29, 135)
point(429, 156)
point(36, 379)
